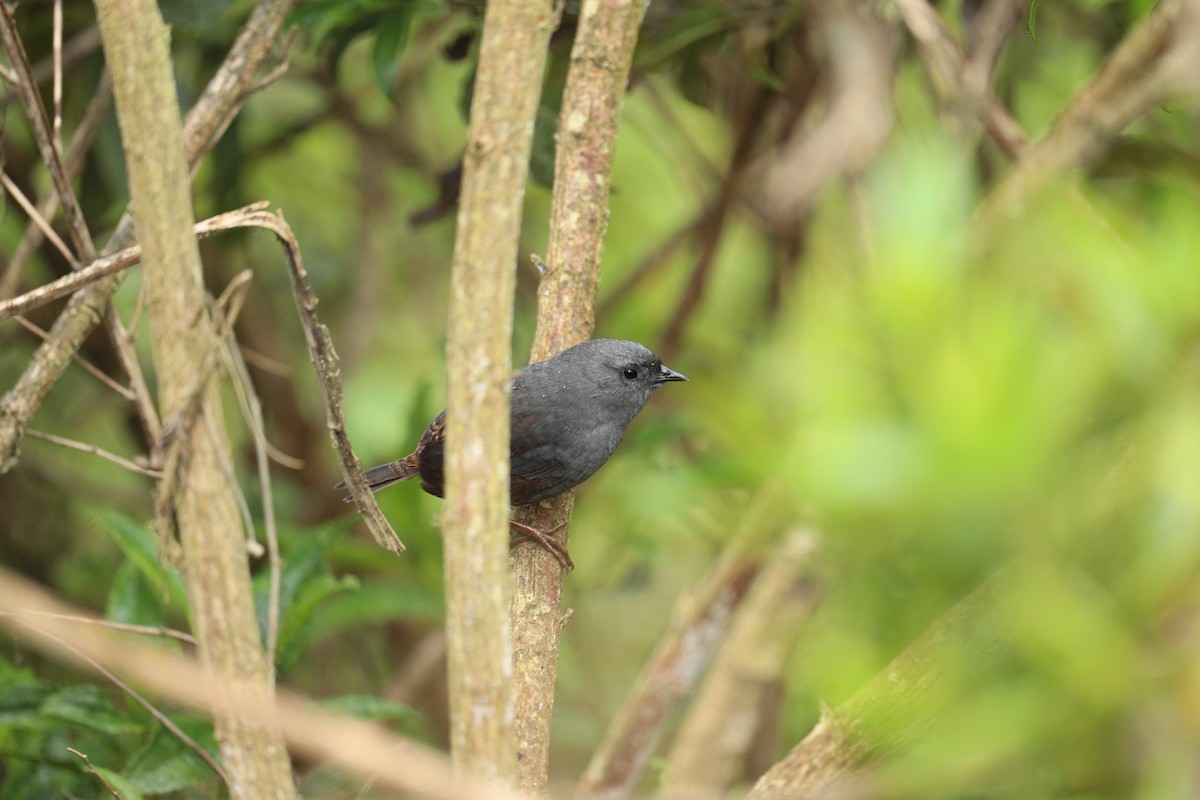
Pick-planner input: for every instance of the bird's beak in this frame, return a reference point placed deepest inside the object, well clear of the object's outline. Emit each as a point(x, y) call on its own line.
point(669, 374)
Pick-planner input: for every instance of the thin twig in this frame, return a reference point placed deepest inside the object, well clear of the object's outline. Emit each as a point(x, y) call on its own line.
point(324, 358)
point(208, 118)
point(31, 99)
point(365, 749)
point(1156, 60)
point(87, 760)
point(81, 142)
point(110, 265)
point(127, 627)
point(252, 412)
point(91, 368)
point(124, 463)
point(948, 65)
point(58, 75)
point(82, 44)
point(162, 718)
point(37, 219)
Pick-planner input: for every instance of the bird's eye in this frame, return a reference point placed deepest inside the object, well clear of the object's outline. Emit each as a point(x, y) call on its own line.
point(630, 373)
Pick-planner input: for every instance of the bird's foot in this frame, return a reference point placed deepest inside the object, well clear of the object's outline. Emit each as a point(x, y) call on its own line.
point(528, 533)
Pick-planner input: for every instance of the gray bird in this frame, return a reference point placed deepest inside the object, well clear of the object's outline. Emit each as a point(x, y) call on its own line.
point(568, 416)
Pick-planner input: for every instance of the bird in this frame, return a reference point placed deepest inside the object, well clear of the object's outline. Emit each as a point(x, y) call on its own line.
point(569, 413)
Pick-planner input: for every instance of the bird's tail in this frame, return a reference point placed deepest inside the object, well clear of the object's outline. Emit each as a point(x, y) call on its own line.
point(387, 474)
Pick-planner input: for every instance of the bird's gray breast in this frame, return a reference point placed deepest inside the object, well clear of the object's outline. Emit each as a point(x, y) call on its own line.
point(560, 434)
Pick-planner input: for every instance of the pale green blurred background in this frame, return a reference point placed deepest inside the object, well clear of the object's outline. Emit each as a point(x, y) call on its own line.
point(942, 393)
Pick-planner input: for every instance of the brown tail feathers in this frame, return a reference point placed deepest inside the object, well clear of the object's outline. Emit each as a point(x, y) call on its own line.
point(387, 474)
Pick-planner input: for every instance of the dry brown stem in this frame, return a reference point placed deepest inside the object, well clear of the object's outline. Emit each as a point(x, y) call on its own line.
point(512, 56)
point(858, 45)
point(205, 507)
point(84, 136)
point(1156, 60)
point(110, 265)
point(43, 135)
point(363, 748)
point(591, 112)
point(700, 621)
point(210, 116)
point(712, 745)
point(956, 78)
point(325, 360)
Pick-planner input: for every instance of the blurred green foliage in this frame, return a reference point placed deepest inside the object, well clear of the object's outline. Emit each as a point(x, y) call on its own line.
point(944, 392)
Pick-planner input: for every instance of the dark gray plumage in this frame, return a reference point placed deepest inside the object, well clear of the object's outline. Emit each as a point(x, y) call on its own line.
point(569, 413)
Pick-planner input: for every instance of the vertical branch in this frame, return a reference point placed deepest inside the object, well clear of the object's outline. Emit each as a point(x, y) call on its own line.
point(591, 110)
point(516, 34)
point(136, 44)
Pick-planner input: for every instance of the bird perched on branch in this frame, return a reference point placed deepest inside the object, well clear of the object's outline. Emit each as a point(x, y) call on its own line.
point(568, 416)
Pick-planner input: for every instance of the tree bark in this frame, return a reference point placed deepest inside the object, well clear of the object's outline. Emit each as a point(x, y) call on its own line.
point(136, 44)
point(516, 35)
point(591, 111)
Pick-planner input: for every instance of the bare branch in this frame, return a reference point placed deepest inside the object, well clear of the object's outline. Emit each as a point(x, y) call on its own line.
point(712, 744)
point(85, 135)
point(1156, 60)
point(700, 621)
point(890, 711)
point(43, 134)
point(91, 368)
point(219, 103)
point(147, 630)
point(858, 47)
point(38, 220)
point(508, 82)
point(591, 112)
point(121, 462)
point(949, 66)
point(211, 535)
point(366, 749)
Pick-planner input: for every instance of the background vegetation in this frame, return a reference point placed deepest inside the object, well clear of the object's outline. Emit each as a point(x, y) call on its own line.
point(946, 377)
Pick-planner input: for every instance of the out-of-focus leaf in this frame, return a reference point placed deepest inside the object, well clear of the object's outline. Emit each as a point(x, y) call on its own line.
point(89, 707)
point(372, 708)
point(120, 784)
point(304, 584)
point(336, 24)
point(138, 545)
point(133, 599)
point(377, 602)
point(168, 765)
point(297, 624)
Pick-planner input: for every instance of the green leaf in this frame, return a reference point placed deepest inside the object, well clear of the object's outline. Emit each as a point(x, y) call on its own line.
point(21, 698)
point(304, 584)
point(372, 708)
point(133, 599)
point(391, 37)
point(89, 707)
point(167, 764)
point(119, 783)
point(377, 602)
point(296, 630)
point(140, 547)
